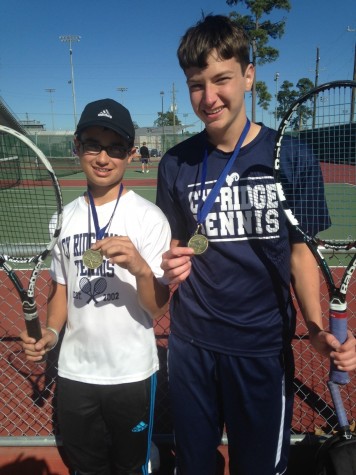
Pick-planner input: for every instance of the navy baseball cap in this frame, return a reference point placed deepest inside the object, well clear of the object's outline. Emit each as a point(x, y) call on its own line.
point(110, 114)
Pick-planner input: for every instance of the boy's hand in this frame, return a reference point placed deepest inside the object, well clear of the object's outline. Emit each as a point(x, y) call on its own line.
point(35, 351)
point(121, 251)
point(176, 264)
point(342, 355)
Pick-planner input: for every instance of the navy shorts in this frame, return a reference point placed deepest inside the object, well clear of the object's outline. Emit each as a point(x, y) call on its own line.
point(251, 398)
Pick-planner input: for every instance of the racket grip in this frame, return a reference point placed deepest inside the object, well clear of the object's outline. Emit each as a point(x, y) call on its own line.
point(32, 321)
point(338, 327)
point(338, 405)
point(33, 328)
point(33, 325)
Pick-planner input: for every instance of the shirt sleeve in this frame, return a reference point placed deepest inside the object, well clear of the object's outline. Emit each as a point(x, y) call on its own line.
point(167, 175)
point(303, 186)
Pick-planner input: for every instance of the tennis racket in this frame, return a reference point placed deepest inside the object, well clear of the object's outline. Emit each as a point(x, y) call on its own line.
point(315, 173)
point(30, 216)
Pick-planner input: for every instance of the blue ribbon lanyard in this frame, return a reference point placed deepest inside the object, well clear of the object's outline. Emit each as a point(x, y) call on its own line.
point(99, 232)
point(203, 209)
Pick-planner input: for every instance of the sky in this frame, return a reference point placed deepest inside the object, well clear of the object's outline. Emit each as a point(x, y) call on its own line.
point(132, 44)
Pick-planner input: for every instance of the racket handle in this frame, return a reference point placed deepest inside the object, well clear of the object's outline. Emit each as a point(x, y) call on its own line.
point(338, 327)
point(33, 325)
point(32, 321)
point(338, 405)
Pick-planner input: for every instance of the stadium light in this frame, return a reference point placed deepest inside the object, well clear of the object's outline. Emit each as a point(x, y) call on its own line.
point(70, 39)
point(163, 132)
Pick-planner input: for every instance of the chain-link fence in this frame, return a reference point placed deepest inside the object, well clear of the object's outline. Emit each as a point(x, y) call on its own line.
point(28, 391)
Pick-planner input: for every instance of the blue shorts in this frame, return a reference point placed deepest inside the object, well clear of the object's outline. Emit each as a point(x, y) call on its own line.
point(252, 398)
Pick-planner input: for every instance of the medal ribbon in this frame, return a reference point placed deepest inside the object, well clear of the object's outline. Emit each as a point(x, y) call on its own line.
point(204, 209)
point(99, 232)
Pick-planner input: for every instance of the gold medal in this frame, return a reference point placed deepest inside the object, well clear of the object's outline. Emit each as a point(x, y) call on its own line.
point(92, 259)
point(199, 243)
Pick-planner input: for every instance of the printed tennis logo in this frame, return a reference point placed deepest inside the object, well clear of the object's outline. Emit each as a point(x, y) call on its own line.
point(105, 113)
point(247, 208)
point(92, 288)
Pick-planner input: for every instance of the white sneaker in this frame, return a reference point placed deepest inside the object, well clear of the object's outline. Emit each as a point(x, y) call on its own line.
point(147, 171)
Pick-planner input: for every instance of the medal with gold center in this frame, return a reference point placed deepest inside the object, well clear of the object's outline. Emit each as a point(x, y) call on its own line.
point(198, 242)
point(92, 259)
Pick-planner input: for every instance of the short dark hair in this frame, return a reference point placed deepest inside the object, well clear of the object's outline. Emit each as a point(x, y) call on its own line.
point(213, 32)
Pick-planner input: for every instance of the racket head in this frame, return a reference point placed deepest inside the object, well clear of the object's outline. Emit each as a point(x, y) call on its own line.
point(31, 202)
point(315, 165)
point(315, 173)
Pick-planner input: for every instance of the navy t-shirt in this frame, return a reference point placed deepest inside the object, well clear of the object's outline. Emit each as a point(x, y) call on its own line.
point(236, 299)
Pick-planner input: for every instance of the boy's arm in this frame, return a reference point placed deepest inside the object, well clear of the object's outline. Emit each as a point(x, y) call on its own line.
point(306, 284)
point(153, 295)
point(57, 306)
point(56, 318)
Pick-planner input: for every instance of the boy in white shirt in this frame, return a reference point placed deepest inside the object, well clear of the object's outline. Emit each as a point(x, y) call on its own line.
point(106, 291)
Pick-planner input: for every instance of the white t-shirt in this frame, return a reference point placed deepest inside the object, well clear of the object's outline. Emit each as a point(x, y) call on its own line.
point(109, 338)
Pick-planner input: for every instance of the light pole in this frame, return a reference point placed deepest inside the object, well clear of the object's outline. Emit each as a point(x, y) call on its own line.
point(185, 115)
point(51, 90)
point(162, 118)
point(174, 110)
point(70, 39)
point(276, 77)
point(122, 90)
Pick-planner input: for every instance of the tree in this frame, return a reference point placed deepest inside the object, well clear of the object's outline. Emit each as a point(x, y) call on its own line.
point(264, 97)
point(260, 32)
point(304, 85)
point(286, 96)
point(166, 119)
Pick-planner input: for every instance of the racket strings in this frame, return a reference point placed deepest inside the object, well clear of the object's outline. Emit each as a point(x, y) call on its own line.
point(318, 165)
point(28, 199)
